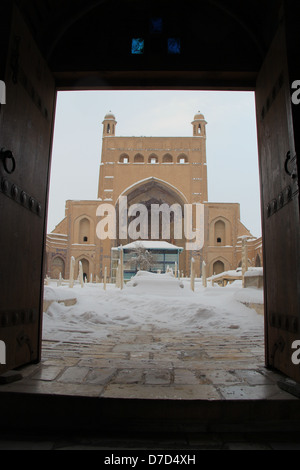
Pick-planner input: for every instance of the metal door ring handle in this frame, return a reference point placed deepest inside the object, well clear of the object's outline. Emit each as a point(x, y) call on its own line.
point(8, 160)
point(288, 161)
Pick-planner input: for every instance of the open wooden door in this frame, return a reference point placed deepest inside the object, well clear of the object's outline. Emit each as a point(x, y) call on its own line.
point(26, 122)
point(280, 209)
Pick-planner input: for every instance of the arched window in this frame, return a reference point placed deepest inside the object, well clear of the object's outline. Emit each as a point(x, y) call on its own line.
point(124, 158)
point(167, 158)
point(108, 128)
point(182, 159)
point(153, 159)
point(84, 230)
point(139, 158)
point(218, 267)
point(220, 233)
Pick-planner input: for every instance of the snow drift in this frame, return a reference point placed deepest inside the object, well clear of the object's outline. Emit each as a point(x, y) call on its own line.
point(150, 301)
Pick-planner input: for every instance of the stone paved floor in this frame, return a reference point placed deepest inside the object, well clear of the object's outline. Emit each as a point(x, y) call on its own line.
point(157, 364)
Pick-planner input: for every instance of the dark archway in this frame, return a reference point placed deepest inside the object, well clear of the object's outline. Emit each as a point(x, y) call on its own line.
point(57, 268)
point(218, 267)
point(155, 192)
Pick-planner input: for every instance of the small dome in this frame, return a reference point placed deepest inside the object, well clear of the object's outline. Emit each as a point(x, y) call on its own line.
point(199, 117)
point(109, 116)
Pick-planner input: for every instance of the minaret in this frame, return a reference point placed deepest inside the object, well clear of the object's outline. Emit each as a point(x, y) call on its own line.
point(199, 125)
point(200, 190)
point(106, 173)
point(109, 125)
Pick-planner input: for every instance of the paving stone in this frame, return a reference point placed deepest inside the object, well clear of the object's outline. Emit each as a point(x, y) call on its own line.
point(129, 376)
point(99, 376)
point(175, 392)
point(157, 377)
point(222, 377)
point(253, 377)
point(134, 347)
point(47, 373)
point(56, 388)
point(192, 355)
point(140, 355)
point(74, 375)
point(247, 392)
point(62, 361)
point(183, 376)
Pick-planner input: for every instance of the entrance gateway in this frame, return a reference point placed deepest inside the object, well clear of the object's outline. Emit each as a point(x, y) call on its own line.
point(50, 46)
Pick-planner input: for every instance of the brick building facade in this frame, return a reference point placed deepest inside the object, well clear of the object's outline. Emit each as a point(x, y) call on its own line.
point(150, 170)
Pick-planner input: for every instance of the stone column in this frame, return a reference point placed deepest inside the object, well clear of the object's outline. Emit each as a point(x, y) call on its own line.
point(244, 258)
point(59, 282)
point(204, 278)
point(105, 278)
point(81, 274)
point(72, 268)
point(193, 274)
point(118, 275)
point(122, 269)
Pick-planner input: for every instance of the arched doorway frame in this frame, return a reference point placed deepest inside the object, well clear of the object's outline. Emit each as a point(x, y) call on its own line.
point(287, 124)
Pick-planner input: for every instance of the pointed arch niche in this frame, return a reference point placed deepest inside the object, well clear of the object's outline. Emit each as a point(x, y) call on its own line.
point(85, 268)
point(167, 158)
point(220, 232)
point(139, 158)
point(218, 267)
point(57, 267)
point(84, 230)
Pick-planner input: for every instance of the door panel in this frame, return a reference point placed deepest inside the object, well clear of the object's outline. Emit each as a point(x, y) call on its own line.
point(280, 209)
point(26, 123)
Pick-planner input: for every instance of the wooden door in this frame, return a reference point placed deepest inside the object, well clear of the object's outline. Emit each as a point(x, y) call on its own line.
point(26, 122)
point(280, 209)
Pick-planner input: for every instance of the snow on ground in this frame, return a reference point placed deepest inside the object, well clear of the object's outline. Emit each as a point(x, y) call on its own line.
point(150, 300)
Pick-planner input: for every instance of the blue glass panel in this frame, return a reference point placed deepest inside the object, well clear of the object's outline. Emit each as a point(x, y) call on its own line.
point(137, 46)
point(156, 25)
point(174, 46)
point(171, 258)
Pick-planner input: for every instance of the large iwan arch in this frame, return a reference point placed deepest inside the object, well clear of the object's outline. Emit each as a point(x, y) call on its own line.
point(159, 183)
point(153, 191)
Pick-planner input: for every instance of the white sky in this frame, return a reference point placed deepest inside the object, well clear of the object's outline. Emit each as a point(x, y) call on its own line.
point(232, 155)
